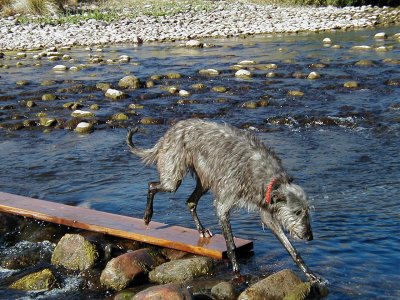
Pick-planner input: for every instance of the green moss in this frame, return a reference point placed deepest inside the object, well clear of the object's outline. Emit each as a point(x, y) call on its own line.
point(43, 280)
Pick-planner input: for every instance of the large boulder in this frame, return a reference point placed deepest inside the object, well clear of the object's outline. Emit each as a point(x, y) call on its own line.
point(182, 270)
point(281, 285)
point(129, 267)
point(74, 252)
point(165, 292)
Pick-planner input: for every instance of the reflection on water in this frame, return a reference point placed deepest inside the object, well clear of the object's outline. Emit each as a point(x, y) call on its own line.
point(341, 145)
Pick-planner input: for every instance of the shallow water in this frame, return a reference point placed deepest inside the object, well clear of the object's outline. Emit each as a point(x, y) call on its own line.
point(340, 144)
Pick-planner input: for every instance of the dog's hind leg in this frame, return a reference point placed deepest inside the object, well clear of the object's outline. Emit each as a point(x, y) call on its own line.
point(155, 187)
point(192, 205)
point(230, 243)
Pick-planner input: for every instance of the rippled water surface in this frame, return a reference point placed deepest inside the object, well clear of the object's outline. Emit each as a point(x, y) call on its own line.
point(342, 145)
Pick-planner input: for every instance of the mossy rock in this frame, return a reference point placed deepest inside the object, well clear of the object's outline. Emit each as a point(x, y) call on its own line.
point(49, 97)
point(296, 93)
point(151, 121)
point(47, 122)
point(72, 105)
point(129, 82)
point(74, 252)
point(84, 128)
point(219, 89)
point(30, 103)
point(94, 107)
point(351, 84)
point(119, 117)
point(103, 86)
point(115, 94)
point(173, 76)
point(210, 72)
point(198, 86)
point(40, 281)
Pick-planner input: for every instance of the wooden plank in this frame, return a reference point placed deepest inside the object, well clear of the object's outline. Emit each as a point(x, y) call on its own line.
point(175, 237)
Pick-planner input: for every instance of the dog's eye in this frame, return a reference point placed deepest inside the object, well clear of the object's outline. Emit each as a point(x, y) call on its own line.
point(298, 212)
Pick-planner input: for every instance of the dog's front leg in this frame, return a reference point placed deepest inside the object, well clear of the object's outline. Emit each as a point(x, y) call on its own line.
point(230, 243)
point(295, 255)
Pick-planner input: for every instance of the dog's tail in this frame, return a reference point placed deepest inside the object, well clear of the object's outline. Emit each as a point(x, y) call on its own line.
point(149, 156)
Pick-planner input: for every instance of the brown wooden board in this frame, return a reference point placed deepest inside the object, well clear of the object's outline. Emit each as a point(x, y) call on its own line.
point(175, 237)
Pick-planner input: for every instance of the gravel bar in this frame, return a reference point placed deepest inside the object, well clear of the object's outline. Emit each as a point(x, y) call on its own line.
point(224, 19)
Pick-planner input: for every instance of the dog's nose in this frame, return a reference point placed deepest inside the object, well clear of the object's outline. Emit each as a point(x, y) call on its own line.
point(309, 237)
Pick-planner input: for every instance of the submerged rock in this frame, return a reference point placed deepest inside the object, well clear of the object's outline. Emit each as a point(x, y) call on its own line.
point(39, 281)
point(243, 74)
point(74, 252)
point(179, 271)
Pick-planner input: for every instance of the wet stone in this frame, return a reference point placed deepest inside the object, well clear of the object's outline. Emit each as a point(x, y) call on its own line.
point(165, 292)
point(179, 271)
point(129, 82)
point(243, 74)
point(173, 76)
point(103, 86)
point(30, 103)
point(393, 82)
point(82, 114)
point(151, 121)
point(49, 97)
point(211, 72)
point(276, 286)
point(198, 86)
point(22, 82)
point(47, 122)
point(295, 93)
point(364, 63)
point(219, 89)
point(60, 68)
point(39, 281)
point(224, 291)
point(194, 44)
point(84, 127)
point(133, 266)
point(119, 117)
point(351, 84)
point(74, 252)
point(313, 76)
point(115, 94)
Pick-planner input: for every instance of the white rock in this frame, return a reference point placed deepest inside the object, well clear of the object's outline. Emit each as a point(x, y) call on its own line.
point(60, 68)
point(194, 44)
point(243, 73)
point(327, 40)
point(184, 93)
point(380, 36)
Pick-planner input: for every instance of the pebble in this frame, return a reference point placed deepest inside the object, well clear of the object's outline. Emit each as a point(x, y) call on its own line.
point(221, 18)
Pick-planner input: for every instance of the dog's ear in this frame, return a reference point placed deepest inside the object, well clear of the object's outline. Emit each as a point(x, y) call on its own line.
point(277, 197)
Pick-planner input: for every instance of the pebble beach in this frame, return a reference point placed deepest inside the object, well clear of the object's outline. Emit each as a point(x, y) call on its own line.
point(220, 19)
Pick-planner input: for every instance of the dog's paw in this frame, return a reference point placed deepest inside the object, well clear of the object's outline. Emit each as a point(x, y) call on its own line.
point(205, 233)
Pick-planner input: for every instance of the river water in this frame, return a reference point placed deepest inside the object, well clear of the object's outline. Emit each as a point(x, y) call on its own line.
point(342, 145)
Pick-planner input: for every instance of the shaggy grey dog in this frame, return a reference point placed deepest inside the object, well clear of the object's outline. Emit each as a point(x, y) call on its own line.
point(239, 170)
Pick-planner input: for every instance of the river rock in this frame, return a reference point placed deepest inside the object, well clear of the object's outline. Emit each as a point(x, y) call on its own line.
point(296, 93)
point(194, 44)
point(131, 266)
point(184, 93)
point(40, 281)
point(313, 76)
point(164, 292)
point(243, 74)
point(219, 89)
point(274, 287)
point(182, 270)
point(198, 86)
point(351, 84)
point(74, 252)
point(224, 291)
point(60, 68)
point(211, 72)
point(47, 122)
point(327, 41)
point(361, 48)
point(364, 63)
point(84, 127)
point(173, 76)
point(82, 114)
point(49, 97)
point(119, 117)
point(129, 82)
point(115, 94)
point(151, 121)
point(380, 36)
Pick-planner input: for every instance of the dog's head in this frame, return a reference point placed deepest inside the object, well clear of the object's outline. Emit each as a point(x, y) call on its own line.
point(290, 208)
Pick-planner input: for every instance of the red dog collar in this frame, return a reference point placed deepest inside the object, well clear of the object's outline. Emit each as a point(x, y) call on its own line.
point(269, 190)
